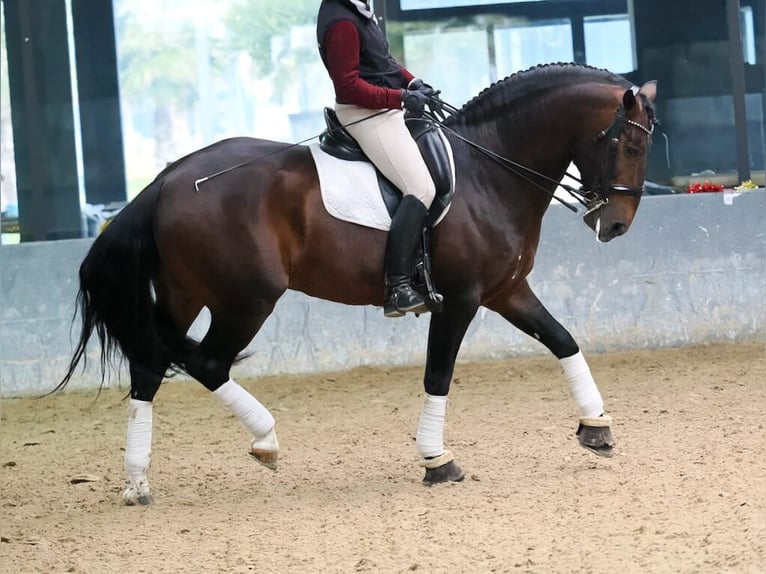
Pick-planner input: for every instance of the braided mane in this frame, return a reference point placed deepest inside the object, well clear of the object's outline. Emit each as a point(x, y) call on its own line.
point(515, 88)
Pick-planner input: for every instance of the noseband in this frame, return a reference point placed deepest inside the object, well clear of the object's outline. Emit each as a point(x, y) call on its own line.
point(599, 195)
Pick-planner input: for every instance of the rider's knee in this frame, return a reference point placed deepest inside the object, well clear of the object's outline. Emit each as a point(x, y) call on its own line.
point(426, 194)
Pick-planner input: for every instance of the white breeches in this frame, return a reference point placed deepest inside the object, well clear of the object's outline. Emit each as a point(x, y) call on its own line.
point(388, 143)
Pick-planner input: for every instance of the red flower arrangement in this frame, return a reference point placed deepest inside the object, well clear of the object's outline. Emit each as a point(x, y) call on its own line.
point(705, 187)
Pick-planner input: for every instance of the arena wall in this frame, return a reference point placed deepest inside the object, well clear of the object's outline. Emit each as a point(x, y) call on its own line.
point(692, 270)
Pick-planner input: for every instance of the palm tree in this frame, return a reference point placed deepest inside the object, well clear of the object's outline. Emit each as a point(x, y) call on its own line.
point(157, 68)
point(254, 25)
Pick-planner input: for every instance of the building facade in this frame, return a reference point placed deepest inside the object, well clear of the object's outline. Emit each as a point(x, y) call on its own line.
point(97, 97)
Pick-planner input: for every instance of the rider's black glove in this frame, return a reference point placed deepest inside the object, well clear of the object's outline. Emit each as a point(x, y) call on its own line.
point(415, 101)
point(420, 86)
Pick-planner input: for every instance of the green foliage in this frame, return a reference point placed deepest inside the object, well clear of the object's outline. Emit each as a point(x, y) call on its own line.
point(252, 24)
point(160, 62)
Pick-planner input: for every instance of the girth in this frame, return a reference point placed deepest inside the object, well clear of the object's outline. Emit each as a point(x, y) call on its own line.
point(337, 142)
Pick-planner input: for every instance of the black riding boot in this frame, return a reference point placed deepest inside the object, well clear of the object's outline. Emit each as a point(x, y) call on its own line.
point(406, 231)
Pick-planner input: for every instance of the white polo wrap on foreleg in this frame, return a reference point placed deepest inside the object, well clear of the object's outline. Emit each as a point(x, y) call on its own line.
point(430, 436)
point(138, 450)
point(253, 414)
point(583, 386)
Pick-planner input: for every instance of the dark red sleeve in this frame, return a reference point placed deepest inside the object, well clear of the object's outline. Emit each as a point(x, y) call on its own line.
point(408, 76)
point(341, 47)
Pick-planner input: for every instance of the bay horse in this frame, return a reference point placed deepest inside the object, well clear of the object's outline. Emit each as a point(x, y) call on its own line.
point(238, 243)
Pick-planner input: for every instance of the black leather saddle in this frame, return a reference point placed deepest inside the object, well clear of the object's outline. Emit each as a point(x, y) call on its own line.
point(337, 142)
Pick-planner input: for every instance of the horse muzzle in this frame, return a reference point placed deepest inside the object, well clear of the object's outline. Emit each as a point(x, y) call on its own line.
point(604, 224)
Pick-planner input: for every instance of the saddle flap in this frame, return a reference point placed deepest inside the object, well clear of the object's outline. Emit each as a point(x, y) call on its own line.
point(434, 149)
point(437, 155)
point(428, 137)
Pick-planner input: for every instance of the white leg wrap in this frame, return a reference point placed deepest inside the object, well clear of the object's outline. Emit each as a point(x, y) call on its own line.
point(138, 450)
point(253, 414)
point(430, 436)
point(583, 386)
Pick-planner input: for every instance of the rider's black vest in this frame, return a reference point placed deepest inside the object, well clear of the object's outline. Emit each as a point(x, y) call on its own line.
point(376, 65)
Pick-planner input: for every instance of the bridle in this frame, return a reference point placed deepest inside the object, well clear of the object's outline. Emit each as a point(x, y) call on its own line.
point(590, 198)
point(599, 196)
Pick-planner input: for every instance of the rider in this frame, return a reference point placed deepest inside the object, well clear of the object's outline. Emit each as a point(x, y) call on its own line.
point(371, 86)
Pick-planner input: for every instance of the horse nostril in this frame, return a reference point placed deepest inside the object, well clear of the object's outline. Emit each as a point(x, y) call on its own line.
point(617, 229)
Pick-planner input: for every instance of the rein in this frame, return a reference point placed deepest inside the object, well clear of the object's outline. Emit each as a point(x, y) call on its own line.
point(590, 199)
point(509, 164)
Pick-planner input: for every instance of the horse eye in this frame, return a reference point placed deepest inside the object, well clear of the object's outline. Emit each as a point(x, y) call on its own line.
point(632, 151)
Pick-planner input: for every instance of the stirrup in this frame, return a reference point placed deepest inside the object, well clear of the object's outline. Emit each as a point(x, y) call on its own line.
point(435, 300)
point(393, 307)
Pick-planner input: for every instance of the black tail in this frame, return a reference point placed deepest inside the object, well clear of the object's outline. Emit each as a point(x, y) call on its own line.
point(116, 300)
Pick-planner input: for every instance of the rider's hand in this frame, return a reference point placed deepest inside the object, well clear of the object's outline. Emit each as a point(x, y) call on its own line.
point(420, 86)
point(415, 101)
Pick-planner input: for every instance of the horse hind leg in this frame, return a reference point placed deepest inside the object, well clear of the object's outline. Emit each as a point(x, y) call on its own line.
point(175, 314)
point(144, 385)
point(229, 333)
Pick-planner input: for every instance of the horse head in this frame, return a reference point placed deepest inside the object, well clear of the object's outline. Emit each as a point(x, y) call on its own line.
point(613, 168)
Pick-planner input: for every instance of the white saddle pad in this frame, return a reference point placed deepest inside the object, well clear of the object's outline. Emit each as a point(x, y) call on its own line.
point(350, 190)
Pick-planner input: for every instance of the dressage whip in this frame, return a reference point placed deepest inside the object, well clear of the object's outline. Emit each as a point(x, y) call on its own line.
point(436, 115)
point(202, 180)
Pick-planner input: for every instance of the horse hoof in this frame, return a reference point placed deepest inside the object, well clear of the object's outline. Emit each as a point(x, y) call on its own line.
point(145, 500)
point(138, 494)
point(442, 469)
point(266, 450)
point(606, 451)
point(267, 458)
point(449, 472)
point(595, 435)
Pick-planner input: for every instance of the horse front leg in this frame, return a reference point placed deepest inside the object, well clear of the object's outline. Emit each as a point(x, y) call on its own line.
point(523, 309)
point(445, 335)
point(138, 446)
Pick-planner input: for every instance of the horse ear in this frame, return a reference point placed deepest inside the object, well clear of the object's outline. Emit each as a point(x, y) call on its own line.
point(629, 99)
point(649, 89)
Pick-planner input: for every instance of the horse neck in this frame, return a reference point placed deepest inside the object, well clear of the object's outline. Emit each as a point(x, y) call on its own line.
point(538, 133)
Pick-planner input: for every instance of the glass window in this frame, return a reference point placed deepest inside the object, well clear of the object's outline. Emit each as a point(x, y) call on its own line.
point(747, 34)
point(193, 72)
point(9, 208)
point(609, 42)
point(423, 4)
point(521, 47)
point(75, 102)
point(455, 62)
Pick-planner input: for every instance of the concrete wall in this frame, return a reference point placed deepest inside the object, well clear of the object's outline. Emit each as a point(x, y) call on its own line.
point(691, 270)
